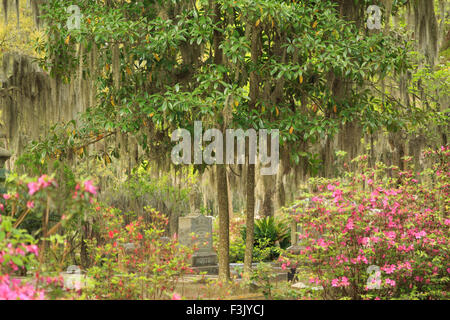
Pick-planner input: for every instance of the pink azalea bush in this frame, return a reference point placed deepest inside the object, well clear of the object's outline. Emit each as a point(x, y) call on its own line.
point(18, 249)
point(14, 289)
point(375, 236)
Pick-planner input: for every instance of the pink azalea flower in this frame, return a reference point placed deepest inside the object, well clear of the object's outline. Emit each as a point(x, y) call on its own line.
point(32, 249)
point(345, 282)
point(176, 296)
point(33, 187)
point(44, 181)
point(390, 282)
point(420, 234)
point(389, 269)
point(30, 204)
point(390, 234)
point(349, 225)
point(321, 243)
point(335, 282)
point(364, 241)
point(89, 187)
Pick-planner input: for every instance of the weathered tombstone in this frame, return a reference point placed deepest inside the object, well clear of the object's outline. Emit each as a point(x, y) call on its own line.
point(197, 230)
point(4, 155)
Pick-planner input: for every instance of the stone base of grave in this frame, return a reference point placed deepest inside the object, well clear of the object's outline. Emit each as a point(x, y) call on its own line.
point(205, 263)
point(210, 270)
point(200, 260)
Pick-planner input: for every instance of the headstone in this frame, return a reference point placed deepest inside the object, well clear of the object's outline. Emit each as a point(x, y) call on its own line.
point(197, 230)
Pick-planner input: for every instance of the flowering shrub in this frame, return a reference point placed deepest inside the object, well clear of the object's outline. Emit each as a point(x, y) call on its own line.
point(134, 260)
point(14, 289)
point(39, 198)
point(18, 251)
point(30, 198)
point(371, 236)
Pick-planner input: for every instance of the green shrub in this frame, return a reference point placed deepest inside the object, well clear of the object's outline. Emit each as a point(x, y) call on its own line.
point(270, 235)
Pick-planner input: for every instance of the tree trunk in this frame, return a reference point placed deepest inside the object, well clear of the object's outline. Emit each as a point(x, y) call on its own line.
point(222, 185)
point(269, 182)
point(250, 219)
point(230, 197)
point(224, 223)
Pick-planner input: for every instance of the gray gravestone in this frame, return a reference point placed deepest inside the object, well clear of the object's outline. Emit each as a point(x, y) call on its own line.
point(199, 227)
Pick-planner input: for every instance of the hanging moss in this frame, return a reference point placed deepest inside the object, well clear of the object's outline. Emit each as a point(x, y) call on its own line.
point(5, 7)
point(426, 28)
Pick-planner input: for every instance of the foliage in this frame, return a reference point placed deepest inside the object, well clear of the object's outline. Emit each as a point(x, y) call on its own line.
point(39, 200)
point(272, 229)
point(18, 251)
point(148, 188)
point(271, 235)
point(156, 69)
point(375, 236)
point(19, 40)
point(17, 248)
point(264, 277)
